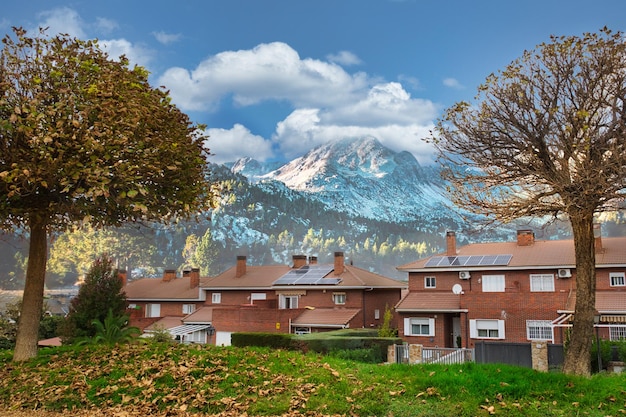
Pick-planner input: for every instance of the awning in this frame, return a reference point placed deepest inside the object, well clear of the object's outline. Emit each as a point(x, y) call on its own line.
point(612, 319)
point(187, 329)
point(563, 320)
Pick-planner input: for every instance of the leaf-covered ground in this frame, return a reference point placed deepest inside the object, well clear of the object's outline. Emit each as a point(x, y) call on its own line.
point(184, 381)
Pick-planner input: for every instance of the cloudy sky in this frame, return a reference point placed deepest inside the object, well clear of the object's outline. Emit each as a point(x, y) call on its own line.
point(274, 78)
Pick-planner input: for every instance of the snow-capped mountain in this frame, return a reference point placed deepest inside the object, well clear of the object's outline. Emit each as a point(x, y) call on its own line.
point(360, 177)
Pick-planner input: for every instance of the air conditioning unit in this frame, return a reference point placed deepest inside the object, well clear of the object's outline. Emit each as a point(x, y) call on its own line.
point(464, 275)
point(564, 273)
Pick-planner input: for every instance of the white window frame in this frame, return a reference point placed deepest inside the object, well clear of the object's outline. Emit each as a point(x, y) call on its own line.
point(539, 330)
point(216, 298)
point(617, 279)
point(287, 302)
point(493, 283)
point(409, 322)
point(430, 282)
point(189, 308)
point(302, 330)
point(490, 325)
point(153, 310)
point(542, 282)
point(617, 332)
point(376, 314)
point(339, 298)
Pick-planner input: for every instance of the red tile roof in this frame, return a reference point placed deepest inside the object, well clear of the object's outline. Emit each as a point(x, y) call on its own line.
point(431, 302)
point(325, 317)
point(262, 277)
point(157, 289)
point(255, 277)
point(201, 315)
point(607, 302)
point(542, 253)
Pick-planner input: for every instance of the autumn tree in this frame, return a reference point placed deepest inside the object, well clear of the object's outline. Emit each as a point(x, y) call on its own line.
point(85, 139)
point(546, 138)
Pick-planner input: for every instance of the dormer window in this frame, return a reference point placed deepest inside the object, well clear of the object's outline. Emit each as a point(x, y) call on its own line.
point(430, 282)
point(617, 279)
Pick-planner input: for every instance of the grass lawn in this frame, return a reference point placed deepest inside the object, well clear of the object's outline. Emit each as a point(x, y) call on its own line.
point(186, 380)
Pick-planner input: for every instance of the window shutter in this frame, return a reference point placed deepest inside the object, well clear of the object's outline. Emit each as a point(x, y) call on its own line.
point(407, 326)
point(431, 327)
point(501, 329)
point(473, 331)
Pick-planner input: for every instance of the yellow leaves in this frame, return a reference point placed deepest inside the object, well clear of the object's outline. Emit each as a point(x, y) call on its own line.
point(332, 371)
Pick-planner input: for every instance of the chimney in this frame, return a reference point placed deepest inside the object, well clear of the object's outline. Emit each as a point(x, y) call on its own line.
point(525, 237)
point(123, 276)
point(194, 278)
point(298, 261)
point(312, 260)
point(597, 236)
point(450, 243)
point(169, 274)
point(241, 266)
point(338, 263)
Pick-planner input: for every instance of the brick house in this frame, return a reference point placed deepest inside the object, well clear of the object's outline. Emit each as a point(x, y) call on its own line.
point(508, 291)
point(302, 298)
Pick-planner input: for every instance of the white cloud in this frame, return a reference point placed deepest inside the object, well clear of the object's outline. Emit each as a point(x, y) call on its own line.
point(304, 129)
point(105, 25)
point(61, 20)
point(453, 83)
point(68, 21)
point(167, 38)
point(344, 58)
point(328, 103)
point(136, 54)
point(267, 72)
point(227, 144)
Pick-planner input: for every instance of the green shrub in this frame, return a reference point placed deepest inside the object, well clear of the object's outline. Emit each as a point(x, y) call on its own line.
point(273, 340)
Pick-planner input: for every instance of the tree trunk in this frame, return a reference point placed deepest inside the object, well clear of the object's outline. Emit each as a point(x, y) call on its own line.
point(32, 301)
point(578, 353)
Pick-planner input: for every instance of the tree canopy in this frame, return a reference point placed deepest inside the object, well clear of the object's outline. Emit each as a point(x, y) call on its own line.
point(85, 139)
point(546, 138)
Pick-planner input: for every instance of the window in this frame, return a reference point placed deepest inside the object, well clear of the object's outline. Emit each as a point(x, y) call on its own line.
point(339, 298)
point(376, 314)
point(538, 330)
point(617, 279)
point(419, 326)
point(617, 332)
point(430, 282)
point(216, 297)
point(257, 296)
point(189, 308)
point(487, 329)
point(287, 301)
point(153, 310)
point(542, 282)
point(493, 283)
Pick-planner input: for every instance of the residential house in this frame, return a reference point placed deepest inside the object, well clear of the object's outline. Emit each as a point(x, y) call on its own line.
point(302, 298)
point(516, 291)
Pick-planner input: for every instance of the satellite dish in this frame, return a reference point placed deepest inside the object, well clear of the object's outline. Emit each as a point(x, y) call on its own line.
point(457, 289)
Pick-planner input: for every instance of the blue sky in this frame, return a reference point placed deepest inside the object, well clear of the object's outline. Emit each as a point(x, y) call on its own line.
point(273, 78)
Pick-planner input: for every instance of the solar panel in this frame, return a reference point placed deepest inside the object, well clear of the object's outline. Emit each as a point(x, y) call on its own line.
point(308, 275)
point(468, 260)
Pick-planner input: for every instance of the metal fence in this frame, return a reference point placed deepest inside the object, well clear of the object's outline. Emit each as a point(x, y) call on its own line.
point(518, 354)
point(447, 356)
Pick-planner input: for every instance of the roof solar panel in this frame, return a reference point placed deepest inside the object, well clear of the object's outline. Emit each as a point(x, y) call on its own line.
point(308, 275)
point(468, 260)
